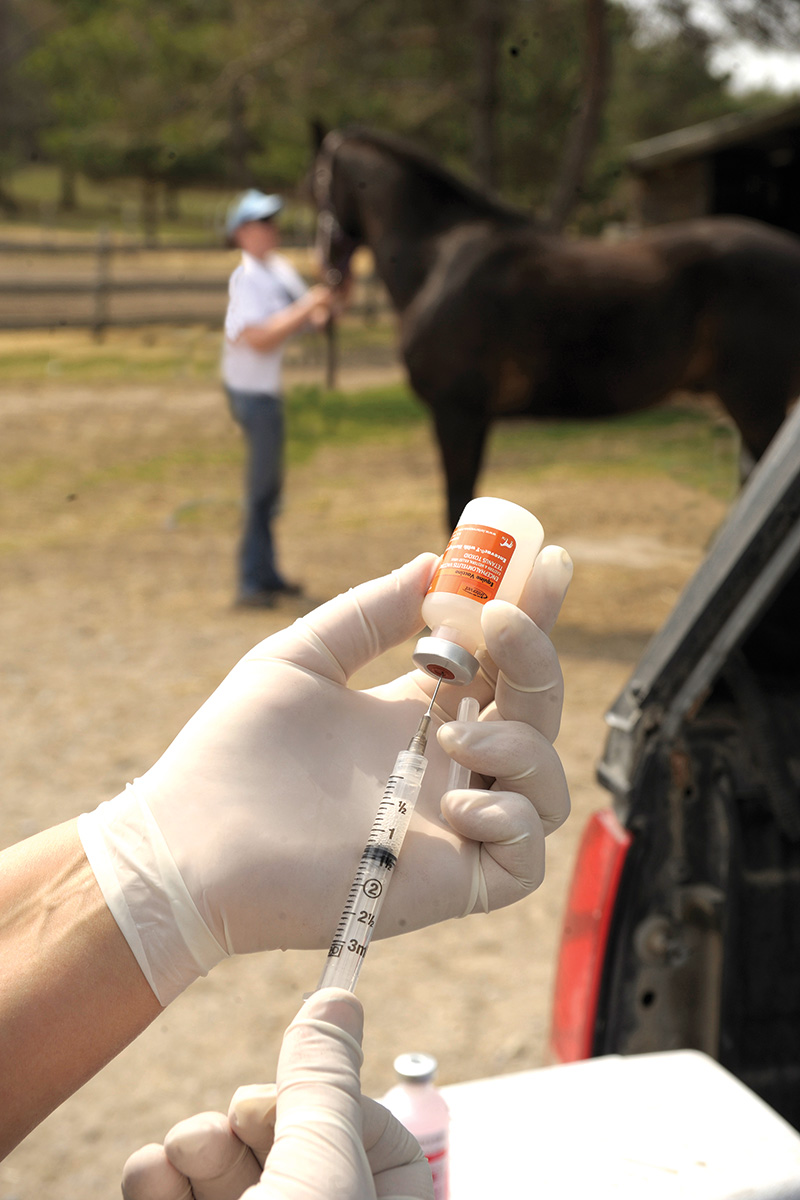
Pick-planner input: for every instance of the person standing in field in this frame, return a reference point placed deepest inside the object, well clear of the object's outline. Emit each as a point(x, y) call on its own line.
point(268, 301)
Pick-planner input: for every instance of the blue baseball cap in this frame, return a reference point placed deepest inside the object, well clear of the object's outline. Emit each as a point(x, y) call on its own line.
point(251, 206)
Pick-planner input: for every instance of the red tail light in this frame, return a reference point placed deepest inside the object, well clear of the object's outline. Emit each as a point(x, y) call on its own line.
point(583, 940)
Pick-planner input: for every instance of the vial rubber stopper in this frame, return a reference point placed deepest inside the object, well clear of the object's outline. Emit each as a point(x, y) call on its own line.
point(445, 660)
point(416, 1067)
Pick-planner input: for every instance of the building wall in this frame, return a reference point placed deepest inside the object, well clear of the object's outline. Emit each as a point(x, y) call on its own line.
point(756, 177)
point(673, 193)
point(760, 181)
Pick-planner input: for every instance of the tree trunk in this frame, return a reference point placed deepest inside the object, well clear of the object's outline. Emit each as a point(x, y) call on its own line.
point(172, 205)
point(7, 202)
point(238, 138)
point(586, 126)
point(488, 27)
point(67, 196)
point(149, 211)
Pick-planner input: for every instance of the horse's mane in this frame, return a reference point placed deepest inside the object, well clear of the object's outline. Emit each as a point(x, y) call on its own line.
point(444, 179)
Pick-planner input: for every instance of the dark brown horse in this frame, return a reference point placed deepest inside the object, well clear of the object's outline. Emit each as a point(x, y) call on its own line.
point(499, 318)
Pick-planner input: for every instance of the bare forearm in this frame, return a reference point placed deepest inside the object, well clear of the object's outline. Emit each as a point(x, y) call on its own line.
point(71, 993)
point(281, 325)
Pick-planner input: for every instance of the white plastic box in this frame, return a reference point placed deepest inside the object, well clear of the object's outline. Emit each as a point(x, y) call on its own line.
point(644, 1127)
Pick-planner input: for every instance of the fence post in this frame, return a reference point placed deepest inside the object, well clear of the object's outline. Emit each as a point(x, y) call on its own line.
point(102, 282)
point(371, 286)
point(332, 353)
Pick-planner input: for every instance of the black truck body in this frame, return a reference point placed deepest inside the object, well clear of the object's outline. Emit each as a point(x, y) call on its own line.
point(702, 760)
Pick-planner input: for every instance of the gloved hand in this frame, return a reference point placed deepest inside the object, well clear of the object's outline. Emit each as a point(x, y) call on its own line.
point(246, 833)
point(313, 1132)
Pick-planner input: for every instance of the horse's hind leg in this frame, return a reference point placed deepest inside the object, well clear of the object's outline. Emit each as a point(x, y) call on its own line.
point(757, 376)
point(758, 408)
point(461, 436)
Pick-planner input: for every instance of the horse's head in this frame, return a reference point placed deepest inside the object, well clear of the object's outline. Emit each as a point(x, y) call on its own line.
point(338, 227)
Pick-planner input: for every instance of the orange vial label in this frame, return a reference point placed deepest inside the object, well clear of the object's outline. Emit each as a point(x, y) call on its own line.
point(474, 562)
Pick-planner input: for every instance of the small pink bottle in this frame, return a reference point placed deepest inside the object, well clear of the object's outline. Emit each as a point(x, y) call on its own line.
point(421, 1107)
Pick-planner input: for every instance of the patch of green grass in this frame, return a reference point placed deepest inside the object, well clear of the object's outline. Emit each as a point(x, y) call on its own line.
point(692, 444)
point(316, 417)
point(119, 358)
point(158, 354)
point(30, 474)
point(199, 211)
point(159, 468)
point(117, 204)
point(53, 475)
point(115, 367)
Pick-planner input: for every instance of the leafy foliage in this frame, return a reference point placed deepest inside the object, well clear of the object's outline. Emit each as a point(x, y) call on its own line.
point(174, 92)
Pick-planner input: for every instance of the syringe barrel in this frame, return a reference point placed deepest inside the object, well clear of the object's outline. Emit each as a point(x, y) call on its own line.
point(402, 788)
point(378, 860)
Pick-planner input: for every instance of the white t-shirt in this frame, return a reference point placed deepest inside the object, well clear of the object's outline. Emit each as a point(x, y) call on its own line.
point(257, 289)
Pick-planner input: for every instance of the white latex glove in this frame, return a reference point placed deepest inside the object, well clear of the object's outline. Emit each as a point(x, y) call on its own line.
point(318, 1136)
point(246, 833)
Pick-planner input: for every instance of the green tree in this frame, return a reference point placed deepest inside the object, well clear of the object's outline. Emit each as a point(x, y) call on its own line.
point(21, 110)
point(124, 81)
point(223, 91)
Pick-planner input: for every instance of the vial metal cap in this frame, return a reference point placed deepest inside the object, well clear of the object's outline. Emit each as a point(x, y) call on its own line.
point(445, 660)
point(416, 1067)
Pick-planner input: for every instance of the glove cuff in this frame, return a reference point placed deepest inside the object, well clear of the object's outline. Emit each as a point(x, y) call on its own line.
point(144, 890)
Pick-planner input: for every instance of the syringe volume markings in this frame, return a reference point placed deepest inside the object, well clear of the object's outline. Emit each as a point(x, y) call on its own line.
point(378, 860)
point(380, 855)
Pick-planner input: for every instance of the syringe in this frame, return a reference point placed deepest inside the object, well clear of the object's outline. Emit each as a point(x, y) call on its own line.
point(368, 889)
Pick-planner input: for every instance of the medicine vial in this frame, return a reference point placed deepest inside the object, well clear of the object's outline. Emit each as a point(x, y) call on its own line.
point(489, 557)
point(422, 1108)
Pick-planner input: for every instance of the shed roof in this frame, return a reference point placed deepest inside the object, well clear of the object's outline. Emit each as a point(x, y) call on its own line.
point(695, 141)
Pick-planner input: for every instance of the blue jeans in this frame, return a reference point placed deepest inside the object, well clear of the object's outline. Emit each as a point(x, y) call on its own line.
point(261, 418)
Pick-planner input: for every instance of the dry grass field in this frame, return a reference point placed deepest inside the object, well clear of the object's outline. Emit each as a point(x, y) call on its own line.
point(120, 513)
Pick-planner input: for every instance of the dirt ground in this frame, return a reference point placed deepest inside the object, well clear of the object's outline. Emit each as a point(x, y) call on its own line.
point(116, 622)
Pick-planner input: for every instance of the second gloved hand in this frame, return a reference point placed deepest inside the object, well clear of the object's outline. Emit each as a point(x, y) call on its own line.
point(246, 833)
point(311, 1136)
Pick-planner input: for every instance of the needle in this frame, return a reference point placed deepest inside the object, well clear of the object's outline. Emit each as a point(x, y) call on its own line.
point(420, 739)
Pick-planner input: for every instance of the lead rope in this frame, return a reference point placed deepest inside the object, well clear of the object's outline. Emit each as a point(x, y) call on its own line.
point(327, 224)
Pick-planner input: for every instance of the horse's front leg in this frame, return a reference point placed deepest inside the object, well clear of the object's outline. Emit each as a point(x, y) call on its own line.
point(461, 435)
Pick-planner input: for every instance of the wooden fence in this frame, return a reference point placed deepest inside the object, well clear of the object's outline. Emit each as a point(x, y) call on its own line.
point(100, 283)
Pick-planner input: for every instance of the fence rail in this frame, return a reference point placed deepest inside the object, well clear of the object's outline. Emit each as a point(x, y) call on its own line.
point(56, 247)
point(24, 287)
point(128, 245)
point(127, 284)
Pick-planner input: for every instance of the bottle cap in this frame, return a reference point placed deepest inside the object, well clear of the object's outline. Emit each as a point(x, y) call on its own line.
point(415, 1067)
point(445, 660)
